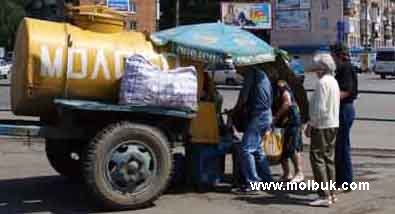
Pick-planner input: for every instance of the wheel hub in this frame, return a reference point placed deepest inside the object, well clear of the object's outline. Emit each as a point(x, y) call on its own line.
point(130, 166)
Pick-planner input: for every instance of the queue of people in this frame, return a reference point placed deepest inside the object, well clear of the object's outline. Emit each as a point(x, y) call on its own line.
point(331, 113)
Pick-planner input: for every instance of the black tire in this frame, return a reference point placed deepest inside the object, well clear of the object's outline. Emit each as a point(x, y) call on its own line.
point(383, 76)
point(96, 165)
point(59, 156)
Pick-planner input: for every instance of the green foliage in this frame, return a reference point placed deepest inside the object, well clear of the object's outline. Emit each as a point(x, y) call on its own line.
point(200, 13)
point(11, 13)
point(191, 12)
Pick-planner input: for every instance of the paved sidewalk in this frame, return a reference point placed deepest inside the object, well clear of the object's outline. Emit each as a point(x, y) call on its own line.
point(29, 185)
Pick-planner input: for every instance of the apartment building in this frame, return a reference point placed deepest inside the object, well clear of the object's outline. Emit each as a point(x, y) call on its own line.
point(303, 27)
point(378, 22)
point(142, 15)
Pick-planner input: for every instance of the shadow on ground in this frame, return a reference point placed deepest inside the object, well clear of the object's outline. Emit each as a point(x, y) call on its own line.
point(274, 199)
point(53, 194)
point(56, 194)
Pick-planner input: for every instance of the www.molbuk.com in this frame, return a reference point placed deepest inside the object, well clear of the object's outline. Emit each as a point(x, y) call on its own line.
point(309, 186)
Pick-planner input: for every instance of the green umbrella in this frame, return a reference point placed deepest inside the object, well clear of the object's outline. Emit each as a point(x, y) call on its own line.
point(216, 42)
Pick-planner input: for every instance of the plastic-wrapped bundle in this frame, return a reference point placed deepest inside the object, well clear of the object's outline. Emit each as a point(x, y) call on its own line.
point(145, 84)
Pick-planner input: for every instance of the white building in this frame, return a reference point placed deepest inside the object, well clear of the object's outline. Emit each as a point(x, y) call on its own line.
point(303, 27)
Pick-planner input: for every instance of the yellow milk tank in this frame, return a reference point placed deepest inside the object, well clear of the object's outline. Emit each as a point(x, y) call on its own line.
point(59, 60)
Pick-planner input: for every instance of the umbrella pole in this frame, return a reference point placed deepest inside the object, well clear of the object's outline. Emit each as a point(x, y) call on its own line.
point(177, 12)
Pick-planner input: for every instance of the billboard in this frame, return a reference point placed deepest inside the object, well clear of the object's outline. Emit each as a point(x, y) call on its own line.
point(293, 19)
point(293, 4)
point(120, 5)
point(247, 15)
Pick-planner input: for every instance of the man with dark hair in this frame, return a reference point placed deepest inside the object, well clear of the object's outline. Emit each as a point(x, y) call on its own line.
point(348, 83)
point(256, 96)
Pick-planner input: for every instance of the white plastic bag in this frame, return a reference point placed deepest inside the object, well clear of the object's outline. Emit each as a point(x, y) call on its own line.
point(145, 84)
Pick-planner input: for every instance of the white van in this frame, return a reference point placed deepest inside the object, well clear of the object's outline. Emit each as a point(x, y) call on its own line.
point(385, 62)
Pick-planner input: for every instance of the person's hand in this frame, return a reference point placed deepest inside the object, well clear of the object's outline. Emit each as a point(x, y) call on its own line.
point(234, 110)
point(230, 112)
point(307, 131)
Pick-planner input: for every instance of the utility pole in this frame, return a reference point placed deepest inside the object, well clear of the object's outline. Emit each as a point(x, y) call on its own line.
point(158, 14)
point(60, 8)
point(365, 23)
point(177, 12)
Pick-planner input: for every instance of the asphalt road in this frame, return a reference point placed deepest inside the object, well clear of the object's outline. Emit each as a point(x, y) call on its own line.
point(4, 94)
point(375, 106)
point(29, 185)
point(380, 106)
point(366, 134)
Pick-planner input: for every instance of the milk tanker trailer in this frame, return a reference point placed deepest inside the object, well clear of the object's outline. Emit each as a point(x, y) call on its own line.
point(69, 78)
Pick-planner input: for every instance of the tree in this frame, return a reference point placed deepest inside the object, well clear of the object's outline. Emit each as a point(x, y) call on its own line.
point(11, 13)
point(190, 12)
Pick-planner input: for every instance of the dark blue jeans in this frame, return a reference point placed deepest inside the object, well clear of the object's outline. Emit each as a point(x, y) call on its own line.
point(255, 166)
point(343, 145)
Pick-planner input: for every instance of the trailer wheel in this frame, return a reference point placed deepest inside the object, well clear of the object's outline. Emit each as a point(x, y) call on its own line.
point(59, 154)
point(127, 165)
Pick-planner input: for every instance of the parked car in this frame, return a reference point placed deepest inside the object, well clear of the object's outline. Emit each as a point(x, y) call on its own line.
point(385, 62)
point(5, 68)
point(225, 74)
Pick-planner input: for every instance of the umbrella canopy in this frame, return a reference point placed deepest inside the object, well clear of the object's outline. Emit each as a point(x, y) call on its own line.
point(215, 42)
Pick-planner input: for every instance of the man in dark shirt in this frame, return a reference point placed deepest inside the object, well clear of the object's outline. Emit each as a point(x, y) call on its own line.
point(256, 96)
point(348, 83)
